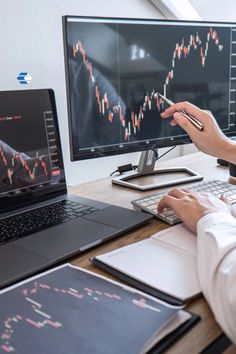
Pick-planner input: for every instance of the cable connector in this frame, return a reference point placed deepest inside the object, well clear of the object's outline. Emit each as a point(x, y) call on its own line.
point(124, 168)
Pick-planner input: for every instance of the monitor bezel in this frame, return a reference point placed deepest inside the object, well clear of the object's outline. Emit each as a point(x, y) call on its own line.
point(132, 147)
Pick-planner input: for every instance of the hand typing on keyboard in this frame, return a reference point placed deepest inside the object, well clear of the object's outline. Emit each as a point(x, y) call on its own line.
point(214, 187)
point(190, 206)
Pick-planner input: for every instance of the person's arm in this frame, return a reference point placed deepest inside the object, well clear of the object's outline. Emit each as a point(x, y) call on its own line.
point(211, 139)
point(215, 225)
point(216, 234)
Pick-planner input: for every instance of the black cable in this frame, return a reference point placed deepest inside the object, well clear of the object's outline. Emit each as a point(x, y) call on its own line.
point(123, 168)
point(166, 152)
point(155, 152)
point(113, 172)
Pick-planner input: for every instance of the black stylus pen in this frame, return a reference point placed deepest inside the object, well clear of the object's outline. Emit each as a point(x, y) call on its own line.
point(197, 124)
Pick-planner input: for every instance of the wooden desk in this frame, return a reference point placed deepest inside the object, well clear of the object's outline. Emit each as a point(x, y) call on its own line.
point(206, 330)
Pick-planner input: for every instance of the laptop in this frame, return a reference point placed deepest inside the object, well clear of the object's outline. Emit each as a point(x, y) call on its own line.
point(40, 224)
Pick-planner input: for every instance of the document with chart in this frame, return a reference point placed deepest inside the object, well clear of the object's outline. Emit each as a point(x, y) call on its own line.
point(70, 310)
point(166, 262)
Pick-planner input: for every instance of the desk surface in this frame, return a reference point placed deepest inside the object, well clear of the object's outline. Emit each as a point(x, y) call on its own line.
point(206, 330)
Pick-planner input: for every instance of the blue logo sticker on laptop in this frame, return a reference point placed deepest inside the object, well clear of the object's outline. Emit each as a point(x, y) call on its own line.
point(24, 78)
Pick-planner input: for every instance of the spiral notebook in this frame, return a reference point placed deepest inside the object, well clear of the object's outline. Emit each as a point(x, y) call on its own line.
point(164, 265)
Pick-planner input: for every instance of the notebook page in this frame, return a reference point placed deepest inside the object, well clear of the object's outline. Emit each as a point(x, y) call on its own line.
point(178, 236)
point(161, 266)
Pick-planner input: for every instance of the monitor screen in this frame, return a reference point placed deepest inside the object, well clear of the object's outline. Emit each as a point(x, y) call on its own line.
point(116, 67)
point(31, 165)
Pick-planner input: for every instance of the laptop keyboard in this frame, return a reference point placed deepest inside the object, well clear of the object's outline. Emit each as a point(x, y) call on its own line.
point(26, 223)
point(215, 187)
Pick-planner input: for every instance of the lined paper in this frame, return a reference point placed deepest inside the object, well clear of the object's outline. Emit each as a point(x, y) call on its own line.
point(160, 264)
point(178, 236)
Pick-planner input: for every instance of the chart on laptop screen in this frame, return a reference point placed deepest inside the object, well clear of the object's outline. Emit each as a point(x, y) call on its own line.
point(117, 67)
point(27, 142)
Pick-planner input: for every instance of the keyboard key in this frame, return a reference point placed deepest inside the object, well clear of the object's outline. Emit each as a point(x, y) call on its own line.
point(168, 212)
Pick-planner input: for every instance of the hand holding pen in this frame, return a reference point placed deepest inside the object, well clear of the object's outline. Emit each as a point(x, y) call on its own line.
point(210, 139)
point(195, 122)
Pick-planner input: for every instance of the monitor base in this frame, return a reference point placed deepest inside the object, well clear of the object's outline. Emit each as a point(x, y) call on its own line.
point(146, 177)
point(181, 175)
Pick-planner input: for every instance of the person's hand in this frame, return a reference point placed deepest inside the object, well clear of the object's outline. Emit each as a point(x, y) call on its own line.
point(190, 207)
point(232, 207)
point(210, 140)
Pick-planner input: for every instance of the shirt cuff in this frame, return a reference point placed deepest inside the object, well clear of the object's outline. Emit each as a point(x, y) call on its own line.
point(214, 218)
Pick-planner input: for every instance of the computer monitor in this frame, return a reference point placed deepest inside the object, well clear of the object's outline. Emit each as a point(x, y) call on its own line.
point(116, 67)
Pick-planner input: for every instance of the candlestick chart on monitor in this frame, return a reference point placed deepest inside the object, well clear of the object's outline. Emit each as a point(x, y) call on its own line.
point(116, 69)
point(26, 136)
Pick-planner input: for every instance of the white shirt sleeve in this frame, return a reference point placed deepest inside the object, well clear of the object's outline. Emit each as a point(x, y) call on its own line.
point(217, 267)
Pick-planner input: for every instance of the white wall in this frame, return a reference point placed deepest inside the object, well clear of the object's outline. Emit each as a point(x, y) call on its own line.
point(31, 40)
point(215, 11)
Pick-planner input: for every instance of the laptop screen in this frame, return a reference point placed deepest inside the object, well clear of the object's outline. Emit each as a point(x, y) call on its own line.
point(31, 164)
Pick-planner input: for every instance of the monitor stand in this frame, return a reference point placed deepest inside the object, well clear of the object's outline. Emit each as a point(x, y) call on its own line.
point(146, 177)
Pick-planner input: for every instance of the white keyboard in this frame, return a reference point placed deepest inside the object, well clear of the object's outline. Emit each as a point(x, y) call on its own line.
point(215, 187)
